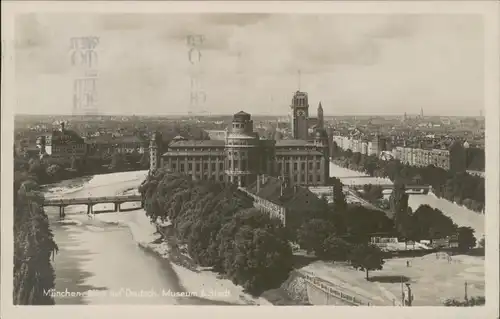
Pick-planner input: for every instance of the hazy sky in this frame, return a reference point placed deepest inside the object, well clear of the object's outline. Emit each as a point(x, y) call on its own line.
point(353, 64)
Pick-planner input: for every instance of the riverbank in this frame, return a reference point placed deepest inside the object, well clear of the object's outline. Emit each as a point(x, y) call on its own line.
point(191, 277)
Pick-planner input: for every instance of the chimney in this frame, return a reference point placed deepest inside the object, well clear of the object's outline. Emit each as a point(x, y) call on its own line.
point(282, 188)
point(258, 183)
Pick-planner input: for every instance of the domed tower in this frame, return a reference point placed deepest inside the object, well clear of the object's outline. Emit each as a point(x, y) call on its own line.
point(322, 145)
point(242, 151)
point(155, 151)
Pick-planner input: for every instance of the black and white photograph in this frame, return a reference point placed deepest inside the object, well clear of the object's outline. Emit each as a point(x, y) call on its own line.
point(248, 158)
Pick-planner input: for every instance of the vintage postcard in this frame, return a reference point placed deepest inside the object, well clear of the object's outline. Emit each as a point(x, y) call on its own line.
point(252, 154)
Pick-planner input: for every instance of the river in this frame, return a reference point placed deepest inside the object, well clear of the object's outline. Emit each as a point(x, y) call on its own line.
point(459, 214)
point(99, 262)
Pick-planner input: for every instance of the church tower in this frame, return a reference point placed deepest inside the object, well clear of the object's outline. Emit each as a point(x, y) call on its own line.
point(300, 115)
point(321, 120)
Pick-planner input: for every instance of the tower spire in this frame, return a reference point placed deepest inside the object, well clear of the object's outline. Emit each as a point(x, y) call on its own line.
point(321, 122)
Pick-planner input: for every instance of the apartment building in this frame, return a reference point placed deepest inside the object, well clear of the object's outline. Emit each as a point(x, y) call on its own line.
point(451, 158)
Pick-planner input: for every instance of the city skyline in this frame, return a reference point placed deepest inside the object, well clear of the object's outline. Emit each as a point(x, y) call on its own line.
point(252, 62)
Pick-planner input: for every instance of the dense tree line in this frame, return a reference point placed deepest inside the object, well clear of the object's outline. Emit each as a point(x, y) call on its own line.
point(33, 244)
point(343, 231)
point(50, 170)
point(462, 188)
point(426, 223)
point(221, 228)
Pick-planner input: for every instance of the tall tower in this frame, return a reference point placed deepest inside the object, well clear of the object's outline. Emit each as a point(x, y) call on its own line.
point(321, 120)
point(155, 151)
point(242, 151)
point(300, 115)
point(422, 112)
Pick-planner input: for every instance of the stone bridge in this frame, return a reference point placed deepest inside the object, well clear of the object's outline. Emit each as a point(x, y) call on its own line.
point(91, 201)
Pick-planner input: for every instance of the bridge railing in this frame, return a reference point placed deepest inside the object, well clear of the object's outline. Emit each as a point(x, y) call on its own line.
point(334, 290)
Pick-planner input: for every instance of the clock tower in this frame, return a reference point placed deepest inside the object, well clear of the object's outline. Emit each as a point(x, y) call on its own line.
point(300, 115)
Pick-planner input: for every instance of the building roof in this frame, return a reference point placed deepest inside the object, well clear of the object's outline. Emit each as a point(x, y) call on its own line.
point(296, 198)
point(242, 113)
point(109, 139)
point(197, 143)
point(292, 143)
point(194, 152)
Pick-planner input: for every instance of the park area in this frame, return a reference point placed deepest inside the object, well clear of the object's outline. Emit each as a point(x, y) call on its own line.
point(433, 278)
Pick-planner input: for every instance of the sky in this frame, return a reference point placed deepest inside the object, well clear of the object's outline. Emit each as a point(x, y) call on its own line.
point(353, 64)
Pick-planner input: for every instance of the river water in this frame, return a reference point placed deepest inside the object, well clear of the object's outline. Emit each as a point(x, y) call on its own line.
point(459, 214)
point(100, 262)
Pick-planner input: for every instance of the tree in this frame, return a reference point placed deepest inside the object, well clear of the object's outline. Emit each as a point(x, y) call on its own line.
point(313, 233)
point(399, 206)
point(335, 249)
point(430, 223)
point(33, 247)
point(366, 257)
point(339, 200)
point(372, 193)
point(360, 222)
point(261, 261)
point(466, 238)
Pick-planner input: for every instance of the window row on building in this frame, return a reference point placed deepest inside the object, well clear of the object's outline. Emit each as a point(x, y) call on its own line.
point(423, 157)
point(359, 146)
point(197, 167)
